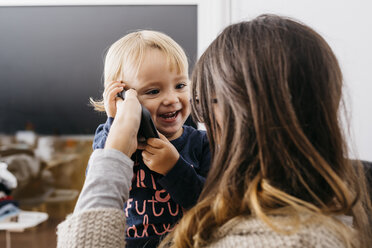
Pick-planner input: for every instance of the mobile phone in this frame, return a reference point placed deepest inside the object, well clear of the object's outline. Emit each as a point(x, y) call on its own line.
point(147, 128)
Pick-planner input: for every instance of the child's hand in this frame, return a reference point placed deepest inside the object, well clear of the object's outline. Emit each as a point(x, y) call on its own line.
point(109, 96)
point(160, 155)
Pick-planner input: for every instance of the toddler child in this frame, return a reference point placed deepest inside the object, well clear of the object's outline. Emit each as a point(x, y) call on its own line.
point(169, 172)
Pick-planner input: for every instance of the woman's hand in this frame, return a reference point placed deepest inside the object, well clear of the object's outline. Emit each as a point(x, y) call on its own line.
point(123, 132)
point(109, 96)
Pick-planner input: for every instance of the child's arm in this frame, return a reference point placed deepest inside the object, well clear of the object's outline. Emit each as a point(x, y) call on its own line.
point(181, 180)
point(102, 133)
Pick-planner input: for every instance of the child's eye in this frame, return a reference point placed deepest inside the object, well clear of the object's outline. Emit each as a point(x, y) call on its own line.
point(152, 92)
point(180, 85)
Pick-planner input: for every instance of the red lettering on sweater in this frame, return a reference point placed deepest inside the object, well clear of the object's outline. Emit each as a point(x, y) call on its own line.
point(129, 205)
point(141, 178)
point(153, 182)
point(145, 226)
point(134, 229)
point(153, 207)
point(161, 199)
point(170, 209)
point(143, 208)
point(166, 229)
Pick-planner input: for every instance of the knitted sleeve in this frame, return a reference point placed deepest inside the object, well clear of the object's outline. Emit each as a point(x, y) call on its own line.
point(107, 182)
point(93, 228)
point(98, 219)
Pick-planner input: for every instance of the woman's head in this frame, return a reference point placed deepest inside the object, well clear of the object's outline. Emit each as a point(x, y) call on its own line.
point(278, 86)
point(277, 144)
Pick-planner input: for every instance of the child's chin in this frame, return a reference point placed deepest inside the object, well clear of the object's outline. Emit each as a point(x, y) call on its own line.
point(170, 133)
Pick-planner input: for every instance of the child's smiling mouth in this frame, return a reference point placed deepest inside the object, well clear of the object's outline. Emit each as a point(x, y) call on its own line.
point(169, 116)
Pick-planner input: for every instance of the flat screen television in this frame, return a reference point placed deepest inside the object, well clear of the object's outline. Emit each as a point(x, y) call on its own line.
point(51, 59)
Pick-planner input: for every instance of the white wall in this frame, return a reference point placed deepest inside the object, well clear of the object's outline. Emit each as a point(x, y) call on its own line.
point(347, 27)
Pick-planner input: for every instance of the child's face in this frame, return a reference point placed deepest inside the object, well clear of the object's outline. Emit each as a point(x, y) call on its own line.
point(163, 92)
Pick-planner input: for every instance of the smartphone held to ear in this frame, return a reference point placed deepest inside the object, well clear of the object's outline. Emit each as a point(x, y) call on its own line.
point(147, 128)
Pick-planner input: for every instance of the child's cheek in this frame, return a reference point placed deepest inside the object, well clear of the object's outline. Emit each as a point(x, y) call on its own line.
point(151, 107)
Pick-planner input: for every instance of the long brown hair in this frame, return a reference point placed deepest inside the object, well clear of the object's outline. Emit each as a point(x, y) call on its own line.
point(280, 146)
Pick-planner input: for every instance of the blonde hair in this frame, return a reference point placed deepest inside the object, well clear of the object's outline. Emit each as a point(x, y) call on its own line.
point(126, 55)
point(280, 148)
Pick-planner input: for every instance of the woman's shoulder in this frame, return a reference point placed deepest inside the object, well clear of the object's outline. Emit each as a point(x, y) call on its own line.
point(253, 232)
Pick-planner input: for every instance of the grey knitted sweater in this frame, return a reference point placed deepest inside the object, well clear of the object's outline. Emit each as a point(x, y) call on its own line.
point(105, 228)
point(98, 219)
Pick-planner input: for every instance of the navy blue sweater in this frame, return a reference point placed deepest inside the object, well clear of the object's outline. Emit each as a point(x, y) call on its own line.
point(156, 202)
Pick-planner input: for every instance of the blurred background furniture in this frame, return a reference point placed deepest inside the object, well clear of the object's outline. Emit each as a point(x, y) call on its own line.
point(48, 186)
point(25, 219)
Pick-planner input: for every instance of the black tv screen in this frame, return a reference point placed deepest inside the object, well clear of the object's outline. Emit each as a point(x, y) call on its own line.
point(51, 59)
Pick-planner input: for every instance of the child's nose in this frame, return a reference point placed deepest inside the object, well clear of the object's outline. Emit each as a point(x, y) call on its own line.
point(170, 98)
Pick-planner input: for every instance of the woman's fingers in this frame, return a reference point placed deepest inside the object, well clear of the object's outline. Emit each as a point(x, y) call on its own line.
point(131, 94)
point(123, 132)
point(131, 107)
